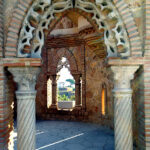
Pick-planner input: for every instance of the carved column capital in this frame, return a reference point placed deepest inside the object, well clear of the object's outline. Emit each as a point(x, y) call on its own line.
point(54, 78)
point(25, 77)
point(77, 78)
point(122, 77)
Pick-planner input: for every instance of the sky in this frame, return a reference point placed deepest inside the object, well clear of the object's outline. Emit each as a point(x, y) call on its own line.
point(64, 74)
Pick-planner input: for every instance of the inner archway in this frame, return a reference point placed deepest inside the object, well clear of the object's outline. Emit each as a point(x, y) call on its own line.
point(83, 46)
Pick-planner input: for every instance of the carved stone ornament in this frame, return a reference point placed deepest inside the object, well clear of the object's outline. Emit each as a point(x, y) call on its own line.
point(42, 13)
point(123, 76)
point(25, 77)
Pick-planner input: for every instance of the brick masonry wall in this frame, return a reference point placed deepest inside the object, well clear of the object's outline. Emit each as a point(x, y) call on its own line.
point(3, 104)
point(147, 28)
point(8, 7)
point(146, 91)
point(146, 88)
point(1, 29)
point(15, 26)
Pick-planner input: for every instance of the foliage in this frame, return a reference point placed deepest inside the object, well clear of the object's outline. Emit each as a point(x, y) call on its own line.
point(65, 98)
point(71, 81)
point(72, 98)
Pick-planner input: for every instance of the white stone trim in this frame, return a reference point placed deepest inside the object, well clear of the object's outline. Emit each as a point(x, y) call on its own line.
point(113, 37)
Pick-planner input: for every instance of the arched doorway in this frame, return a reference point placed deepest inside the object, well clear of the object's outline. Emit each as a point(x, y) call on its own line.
point(38, 39)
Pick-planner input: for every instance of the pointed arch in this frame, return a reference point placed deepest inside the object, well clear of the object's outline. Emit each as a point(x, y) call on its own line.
point(63, 52)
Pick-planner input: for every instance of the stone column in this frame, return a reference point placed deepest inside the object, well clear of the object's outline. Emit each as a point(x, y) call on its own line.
point(122, 93)
point(54, 79)
point(77, 90)
point(25, 77)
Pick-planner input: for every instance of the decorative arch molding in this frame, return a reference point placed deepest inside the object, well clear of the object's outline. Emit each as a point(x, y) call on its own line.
point(59, 53)
point(114, 36)
point(131, 27)
point(11, 48)
point(70, 58)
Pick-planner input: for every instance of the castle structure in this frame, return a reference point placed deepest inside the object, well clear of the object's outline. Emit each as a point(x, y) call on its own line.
point(106, 45)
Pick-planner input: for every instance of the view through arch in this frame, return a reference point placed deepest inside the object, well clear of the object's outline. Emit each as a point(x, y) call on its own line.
point(65, 86)
point(25, 42)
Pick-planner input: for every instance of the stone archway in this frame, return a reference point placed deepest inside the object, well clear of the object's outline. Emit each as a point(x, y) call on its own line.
point(26, 35)
point(23, 6)
point(116, 38)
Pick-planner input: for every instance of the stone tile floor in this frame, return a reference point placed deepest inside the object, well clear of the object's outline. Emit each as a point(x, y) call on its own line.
point(63, 135)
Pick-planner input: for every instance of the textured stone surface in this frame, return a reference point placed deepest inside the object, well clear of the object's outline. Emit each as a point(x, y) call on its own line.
point(97, 73)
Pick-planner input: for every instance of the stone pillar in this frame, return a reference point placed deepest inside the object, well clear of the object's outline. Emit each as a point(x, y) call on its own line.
point(25, 77)
point(123, 106)
point(77, 90)
point(54, 79)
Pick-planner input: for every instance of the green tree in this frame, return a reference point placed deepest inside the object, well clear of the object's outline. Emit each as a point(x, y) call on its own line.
point(63, 97)
point(72, 98)
point(71, 81)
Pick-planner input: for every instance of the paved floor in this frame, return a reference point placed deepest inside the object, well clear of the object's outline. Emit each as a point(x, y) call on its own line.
point(61, 135)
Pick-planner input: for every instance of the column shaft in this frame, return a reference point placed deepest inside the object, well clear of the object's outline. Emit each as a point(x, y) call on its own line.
point(26, 120)
point(54, 90)
point(123, 106)
point(25, 78)
point(123, 121)
point(77, 94)
point(77, 90)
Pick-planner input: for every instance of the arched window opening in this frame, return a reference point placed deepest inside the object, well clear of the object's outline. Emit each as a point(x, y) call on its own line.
point(49, 93)
point(65, 85)
point(103, 99)
point(81, 88)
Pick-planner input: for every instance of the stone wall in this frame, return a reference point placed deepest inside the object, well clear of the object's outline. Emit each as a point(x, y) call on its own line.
point(96, 75)
point(138, 106)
